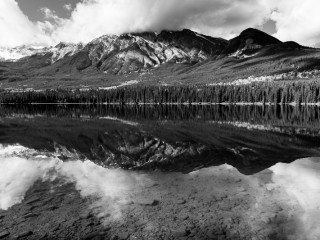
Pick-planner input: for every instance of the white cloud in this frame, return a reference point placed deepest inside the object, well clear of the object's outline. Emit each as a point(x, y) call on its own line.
point(51, 23)
point(49, 14)
point(295, 20)
point(301, 181)
point(21, 167)
point(92, 19)
point(68, 7)
point(13, 188)
point(16, 28)
point(110, 187)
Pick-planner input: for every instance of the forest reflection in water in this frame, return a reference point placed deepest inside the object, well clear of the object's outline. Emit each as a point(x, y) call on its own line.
point(237, 161)
point(168, 137)
point(280, 115)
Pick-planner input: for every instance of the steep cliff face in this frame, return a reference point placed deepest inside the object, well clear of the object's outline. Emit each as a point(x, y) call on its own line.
point(164, 58)
point(63, 50)
point(129, 52)
point(140, 51)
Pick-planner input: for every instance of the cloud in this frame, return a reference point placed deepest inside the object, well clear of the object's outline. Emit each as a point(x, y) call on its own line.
point(91, 19)
point(50, 15)
point(108, 188)
point(13, 188)
point(68, 7)
point(301, 180)
point(297, 20)
point(51, 23)
point(16, 28)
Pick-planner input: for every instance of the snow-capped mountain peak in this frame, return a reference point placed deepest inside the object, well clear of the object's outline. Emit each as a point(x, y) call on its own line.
point(16, 53)
point(136, 52)
point(58, 52)
point(63, 49)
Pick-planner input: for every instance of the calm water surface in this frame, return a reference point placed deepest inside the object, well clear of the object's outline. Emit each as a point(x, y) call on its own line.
point(170, 138)
point(218, 172)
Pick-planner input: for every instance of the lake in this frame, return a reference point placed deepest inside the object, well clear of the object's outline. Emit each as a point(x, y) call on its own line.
point(159, 171)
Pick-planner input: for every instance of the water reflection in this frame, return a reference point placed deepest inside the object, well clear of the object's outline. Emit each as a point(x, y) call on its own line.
point(281, 202)
point(239, 176)
point(169, 138)
point(300, 180)
point(280, 115)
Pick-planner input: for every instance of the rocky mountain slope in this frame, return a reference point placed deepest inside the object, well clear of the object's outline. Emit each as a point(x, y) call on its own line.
point(134, 52)
point(165, 57)
point(129, 52)
point(139, 51)
point(56, 53)
point(14, 54)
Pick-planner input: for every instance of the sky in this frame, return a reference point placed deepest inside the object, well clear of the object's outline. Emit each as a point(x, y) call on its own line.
point(48, 22)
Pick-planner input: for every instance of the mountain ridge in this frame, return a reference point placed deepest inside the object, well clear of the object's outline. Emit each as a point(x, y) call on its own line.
point(168, 56)
point(183, 39)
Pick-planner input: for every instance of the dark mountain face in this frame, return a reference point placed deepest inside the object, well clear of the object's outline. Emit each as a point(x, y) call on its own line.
point(250, 39)
point(188, 39)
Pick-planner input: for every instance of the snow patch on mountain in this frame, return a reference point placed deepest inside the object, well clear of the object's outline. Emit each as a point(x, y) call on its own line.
point(58, 52)
point(14, 54)
point(131, 52)
point(63, 49)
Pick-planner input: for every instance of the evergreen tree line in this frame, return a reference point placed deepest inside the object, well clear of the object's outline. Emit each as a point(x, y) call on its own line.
point(278, 92)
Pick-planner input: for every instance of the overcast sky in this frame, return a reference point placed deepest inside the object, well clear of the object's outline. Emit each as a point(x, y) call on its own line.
point(47, 22)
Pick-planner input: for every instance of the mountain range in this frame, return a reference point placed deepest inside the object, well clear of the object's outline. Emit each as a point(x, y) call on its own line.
point(168, 57)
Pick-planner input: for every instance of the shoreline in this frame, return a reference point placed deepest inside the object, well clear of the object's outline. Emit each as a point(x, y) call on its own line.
point(177, 103)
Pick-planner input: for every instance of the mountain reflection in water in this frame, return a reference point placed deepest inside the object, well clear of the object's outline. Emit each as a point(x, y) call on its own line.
point(227, 172)
point(278, 203)
point(168, 137)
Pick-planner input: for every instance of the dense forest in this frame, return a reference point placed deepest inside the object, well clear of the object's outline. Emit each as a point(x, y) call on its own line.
point(276, 92)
